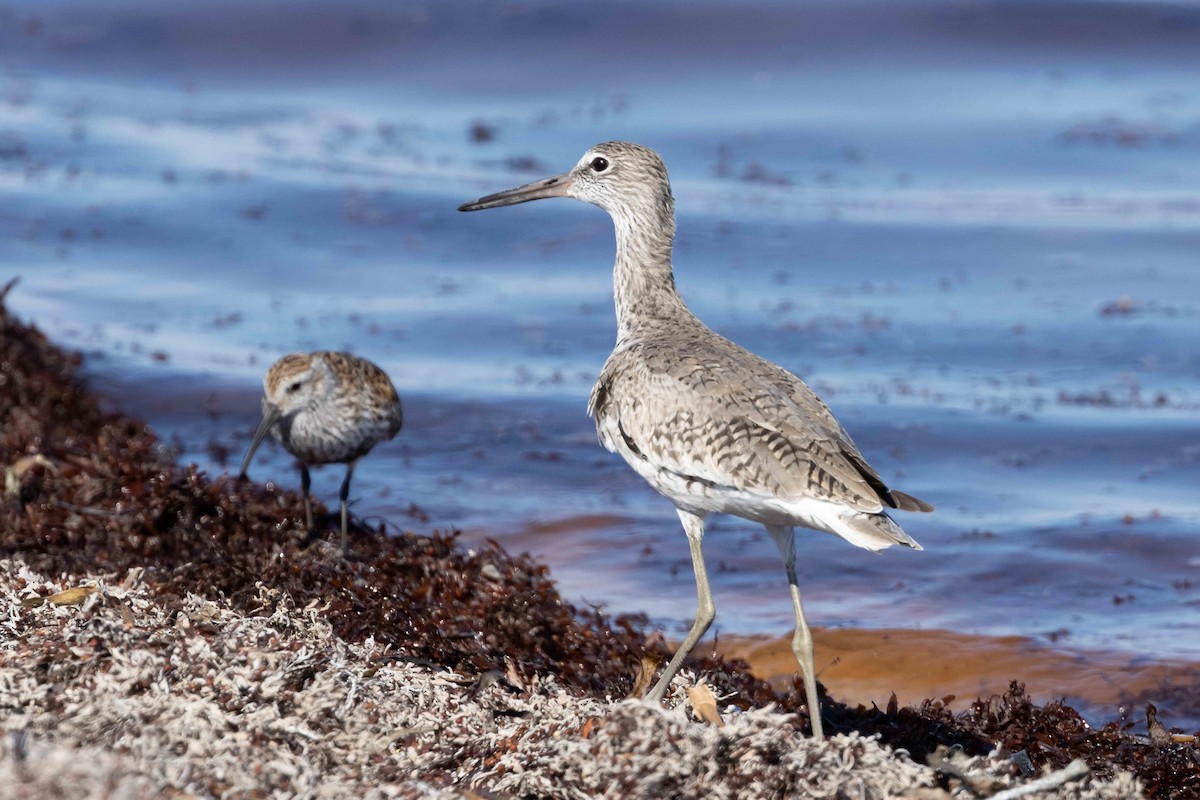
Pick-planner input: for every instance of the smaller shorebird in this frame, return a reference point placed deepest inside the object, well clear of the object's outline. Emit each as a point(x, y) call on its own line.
point(711, 426)
point(326, 408)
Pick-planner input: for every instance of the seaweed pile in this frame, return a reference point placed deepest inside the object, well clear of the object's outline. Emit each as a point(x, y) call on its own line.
point(93, 492)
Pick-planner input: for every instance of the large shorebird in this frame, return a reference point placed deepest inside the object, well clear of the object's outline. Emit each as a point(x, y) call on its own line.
point(711, 426)
point(326, 408)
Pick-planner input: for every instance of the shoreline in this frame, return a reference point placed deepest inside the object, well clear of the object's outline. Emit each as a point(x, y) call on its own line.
point(861, 665)
point(187, 567)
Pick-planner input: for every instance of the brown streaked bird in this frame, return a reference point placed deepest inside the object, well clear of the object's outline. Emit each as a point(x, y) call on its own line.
point(711, 426)
point(326, 408)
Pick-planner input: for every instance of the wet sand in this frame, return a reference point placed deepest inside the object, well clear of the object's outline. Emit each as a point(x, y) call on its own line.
point(868, 666)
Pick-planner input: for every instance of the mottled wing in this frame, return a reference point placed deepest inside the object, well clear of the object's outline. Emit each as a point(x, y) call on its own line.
point(715, 412)
point(369, 392)
point(814, 409)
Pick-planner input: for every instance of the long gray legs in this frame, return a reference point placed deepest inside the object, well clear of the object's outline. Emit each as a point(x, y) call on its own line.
point(693, 526)
point(344, 495)
point(802, 645)
point(706, 611)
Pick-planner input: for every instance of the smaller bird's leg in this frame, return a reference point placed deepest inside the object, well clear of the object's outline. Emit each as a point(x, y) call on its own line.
point(706, 611)
point(802, 644)
point(344, 495)
point(305, 483)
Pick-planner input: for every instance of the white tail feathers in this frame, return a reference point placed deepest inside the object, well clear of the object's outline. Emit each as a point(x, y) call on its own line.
point(872, 531)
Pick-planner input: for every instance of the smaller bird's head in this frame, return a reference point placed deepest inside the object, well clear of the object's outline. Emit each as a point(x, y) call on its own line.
point(627, 180)
point(296, 381)
point(293, 383)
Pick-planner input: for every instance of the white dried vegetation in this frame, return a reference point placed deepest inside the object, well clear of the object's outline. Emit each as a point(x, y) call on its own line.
point(120, 694)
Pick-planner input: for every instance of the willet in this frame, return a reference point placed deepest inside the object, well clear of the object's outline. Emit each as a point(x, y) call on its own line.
point(710, 425)
point(326, 408)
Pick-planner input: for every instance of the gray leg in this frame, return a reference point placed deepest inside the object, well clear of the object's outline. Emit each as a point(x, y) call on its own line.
point(305, 483)
point(693, 526)
point(802, 645)
point(344, 495)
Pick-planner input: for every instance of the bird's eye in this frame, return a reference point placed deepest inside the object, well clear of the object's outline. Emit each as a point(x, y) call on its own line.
point(599, 164)
point(295, 387)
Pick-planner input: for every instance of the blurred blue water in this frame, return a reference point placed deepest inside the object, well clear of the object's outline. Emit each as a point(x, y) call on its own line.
point(972, 227)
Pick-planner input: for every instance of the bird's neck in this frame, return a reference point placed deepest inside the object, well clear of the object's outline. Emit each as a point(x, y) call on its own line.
point(643, 284)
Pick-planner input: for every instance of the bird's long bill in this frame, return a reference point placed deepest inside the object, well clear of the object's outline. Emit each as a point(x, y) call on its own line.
point(269, 418)
point(558, 186)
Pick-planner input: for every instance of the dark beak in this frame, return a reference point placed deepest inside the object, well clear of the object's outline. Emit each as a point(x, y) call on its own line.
point(269, 418)
point(558, 186)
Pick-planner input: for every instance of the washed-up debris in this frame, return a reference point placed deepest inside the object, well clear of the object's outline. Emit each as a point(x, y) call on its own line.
point(955, 764)
point(67, 597)
point(704, 704)
point(645, 675)
point(1071, 772)
point(13, 474)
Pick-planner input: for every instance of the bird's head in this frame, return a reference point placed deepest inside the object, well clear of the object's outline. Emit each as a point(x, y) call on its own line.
point(294, 382)
point(627, 180)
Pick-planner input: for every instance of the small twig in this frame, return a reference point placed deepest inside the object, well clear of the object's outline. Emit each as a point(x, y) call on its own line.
point(300, 730)
point(1073, 771)
point(977, 785)
point(7, 288)
point(89, 512)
